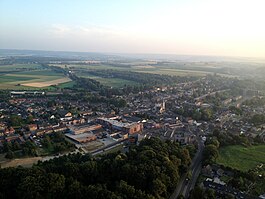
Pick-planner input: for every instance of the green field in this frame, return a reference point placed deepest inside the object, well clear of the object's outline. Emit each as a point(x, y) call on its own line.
point(14, 76)
point(242, 158)
point(114, 82)
point(174, 72)
point(145, 68)
point(19, 67)
point(67, 85)
point(83, 70)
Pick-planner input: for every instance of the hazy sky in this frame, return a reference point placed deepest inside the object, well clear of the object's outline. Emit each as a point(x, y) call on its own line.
point(202, 27)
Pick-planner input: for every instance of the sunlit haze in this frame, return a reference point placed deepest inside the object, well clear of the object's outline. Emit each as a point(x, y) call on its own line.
point(205, 27)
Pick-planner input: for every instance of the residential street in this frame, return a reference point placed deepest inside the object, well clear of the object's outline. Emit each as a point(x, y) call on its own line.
point(185, 186)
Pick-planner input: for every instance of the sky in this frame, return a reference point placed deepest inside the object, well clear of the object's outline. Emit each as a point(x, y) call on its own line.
point(186, 27)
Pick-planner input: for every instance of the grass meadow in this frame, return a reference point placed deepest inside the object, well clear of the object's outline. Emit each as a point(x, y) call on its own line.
point(242, 158)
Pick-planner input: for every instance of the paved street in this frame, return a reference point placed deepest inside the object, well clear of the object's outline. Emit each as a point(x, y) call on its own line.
point(184, 187)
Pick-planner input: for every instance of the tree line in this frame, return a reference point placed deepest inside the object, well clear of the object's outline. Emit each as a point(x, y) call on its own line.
point(150, 170)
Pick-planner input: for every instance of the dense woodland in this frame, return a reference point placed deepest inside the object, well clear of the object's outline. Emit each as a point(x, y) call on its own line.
point(150, 170)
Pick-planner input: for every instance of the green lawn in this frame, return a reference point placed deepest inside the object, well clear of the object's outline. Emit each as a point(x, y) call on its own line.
point(240, 157)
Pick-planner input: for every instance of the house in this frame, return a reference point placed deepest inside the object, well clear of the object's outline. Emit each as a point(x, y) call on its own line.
point(40, 132)
point(207, 171)
point(64, 115)
point(11, 138)
point(32, 127)
point(59, 128)
point(220, 172)
point(9, 131)
point(184, 137)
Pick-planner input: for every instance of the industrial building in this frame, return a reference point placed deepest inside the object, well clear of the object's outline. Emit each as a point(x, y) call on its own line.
point(125, 127)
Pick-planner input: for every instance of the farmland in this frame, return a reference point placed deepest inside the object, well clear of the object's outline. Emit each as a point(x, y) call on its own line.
point(242, 158)
point(37, 76)
point(87, 71)
point(29, 76)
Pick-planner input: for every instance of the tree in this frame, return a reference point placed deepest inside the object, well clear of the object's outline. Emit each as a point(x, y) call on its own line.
point(31, 187)
point(210, 153)
point(46, 142)
point(29, 119)
point(158, 188)
point(197, 115)
point(10, 154)
point(29, 148)
point(196, 193)
point(16, 146)
point(74, 190)
point(207, 114)
point(150, 170)
point(15, 120)
point(55, 184)
point(7, 146)
point(214, 141)
point(209, 194)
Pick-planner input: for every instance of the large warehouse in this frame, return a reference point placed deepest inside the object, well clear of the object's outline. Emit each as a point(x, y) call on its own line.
point(112, 124)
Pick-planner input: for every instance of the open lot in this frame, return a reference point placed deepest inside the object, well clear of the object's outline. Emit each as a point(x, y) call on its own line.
point(242, 158)
point(25, 162)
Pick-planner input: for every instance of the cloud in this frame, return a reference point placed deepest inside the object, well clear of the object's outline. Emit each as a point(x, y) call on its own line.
point(59, 30)
point(64, 31)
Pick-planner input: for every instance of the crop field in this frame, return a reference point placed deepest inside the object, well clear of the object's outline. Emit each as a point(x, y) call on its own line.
point(174, 72)
point(145, 68)
point(242, 158)
point(47, 83)
point(31, 76)
point(34, 76)
point(19, 68)
point(83, 70)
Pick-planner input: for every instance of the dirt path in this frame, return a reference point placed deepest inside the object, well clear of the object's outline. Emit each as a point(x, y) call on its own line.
point(25, 162)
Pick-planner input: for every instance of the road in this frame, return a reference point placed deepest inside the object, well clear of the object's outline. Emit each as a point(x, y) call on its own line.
point(184, 187)
point(210, 94)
